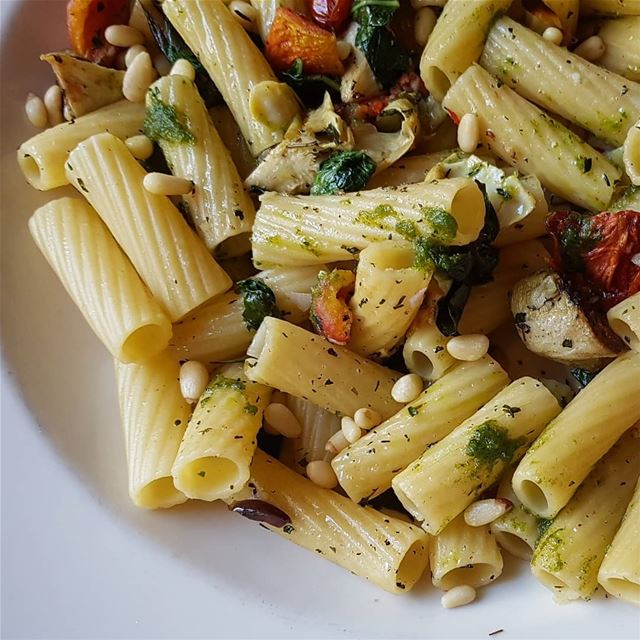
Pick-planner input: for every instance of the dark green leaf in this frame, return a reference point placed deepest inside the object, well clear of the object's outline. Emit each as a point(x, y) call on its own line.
point(583, 376)
point(310, 87)
point(259, 302)
point(343, 171)
point(374, 13)
point(386, 56)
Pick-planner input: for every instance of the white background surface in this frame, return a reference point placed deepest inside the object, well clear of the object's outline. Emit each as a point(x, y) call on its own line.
point(78, 561)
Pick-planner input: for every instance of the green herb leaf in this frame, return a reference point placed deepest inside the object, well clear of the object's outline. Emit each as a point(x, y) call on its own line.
point(259, 302)
point(163, 122)
point(310, 87)
point(374, 13)
point(343, 171)
point(386, 56)
point(490, 443)
point(583, 376)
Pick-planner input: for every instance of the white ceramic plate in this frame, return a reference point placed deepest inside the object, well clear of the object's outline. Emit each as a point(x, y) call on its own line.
point(80, 561)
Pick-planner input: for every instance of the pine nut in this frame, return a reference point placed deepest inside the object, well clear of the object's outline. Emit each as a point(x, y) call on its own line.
point(282, 420)
point(590, 49)
point(468, 348)
point(322, 474)
point(273, 104)
point(336, 443)
point(469, 132)
point(350, 429)
point(132, 52)
point(163, 184)
point(122, 35)
point(344, 49)
point(53, 104)
point(67, 113)
point(483, 512)
point(140, 146)
point(184, 68)
point(194, 378)
point(407, 388)
point(138, 77)
point(458, 596)
point(553, 34)
point(245, 14)
point(36, 111)
point(162, 65)
point(367, 418)
point(424, 24)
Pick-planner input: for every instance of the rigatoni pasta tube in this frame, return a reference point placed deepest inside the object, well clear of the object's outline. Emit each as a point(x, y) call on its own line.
point(610, 7)
point(234, 63)
point(218, 204)
point(328, 375)
point(170, 258)
point(154, 417)
point(450, 475)
point(100, 279)
point(569, 554)
point(42, 158)
point(533, 142)
point(531, 65)
point(389, 552)
point(624, 319)
point(461, 554)
point(456, 41)
point(619, 572)
point(408, 170)
point(299, 230)
point(216, 450)
point(631, 154)
point(621, 46)
point(366, 468)
point(561, 458)
point(388, 293)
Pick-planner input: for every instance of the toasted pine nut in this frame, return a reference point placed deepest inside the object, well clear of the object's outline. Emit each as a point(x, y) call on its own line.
point(138, 77)
point(336, 443)
point(53, 104)
point(122, 35)
point(140, 146)
point(184, 68)
point(36, 111)
point(483, 512)
point(282, 420)
point(590, 49)
point(163, 184)
point(194, 378)
point(468, 348)
point(423, 26)
point(245, 14)
point(407, 388)
point(132, 52)
point(458, 596)
point(469, 132)
point(322, 474)
point(367, 418)
point(344, 49)
point(553, 34)
point(350, 429)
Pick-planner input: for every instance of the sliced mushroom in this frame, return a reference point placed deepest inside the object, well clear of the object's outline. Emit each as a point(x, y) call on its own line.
point(86, 86)
point(552, 325)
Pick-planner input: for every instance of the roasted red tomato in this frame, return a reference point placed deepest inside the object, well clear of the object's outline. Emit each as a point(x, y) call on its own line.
point(293, 37)
point(86, 23)
point(330, 314)
point(331, 14)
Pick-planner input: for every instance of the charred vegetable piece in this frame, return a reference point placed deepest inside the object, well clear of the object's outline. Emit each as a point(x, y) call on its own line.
point(259, 302)
point(261, 511)
point(86, 24)
point(294, 37)
point(343, 171)
point(330, 314)
point(331, 14)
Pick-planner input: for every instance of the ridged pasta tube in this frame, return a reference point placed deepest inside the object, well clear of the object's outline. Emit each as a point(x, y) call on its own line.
point(610, 7)
point(384, 550)
point(563, 455)
point(450, 475)
point(624, 319)
point(621, 46)
point(100, 279)
point(42, 158)
point(170, 258)
point(366, 468)
point(533, 142)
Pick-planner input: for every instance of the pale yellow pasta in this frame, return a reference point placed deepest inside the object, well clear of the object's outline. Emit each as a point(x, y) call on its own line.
point(389, 552)
point(447, 478)
point(330, 376)
point(218, 205)
point(217, 331)
point(461, 554)
point(619, 572)
point(216, 450)
point(389, 290)
point(100, 279)
point(621, 46)
point(408, 170)
point(366, 468)
point(532, 141)
point(624, 319)
point(570, 552)
point(631, 154)
point(234, 63)
point(456, 41)
point(626, 198)
point(154, 417)
point(169, 257)
point(301, 230)
point(610, 7)
point(267, 12)
point(561, 458)
point(42, 158)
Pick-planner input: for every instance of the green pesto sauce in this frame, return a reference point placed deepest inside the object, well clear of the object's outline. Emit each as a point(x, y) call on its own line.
point(222, 383)
point(163, 122)
point(443, 224)
point(490, 443)
point(377, 217)
point(251, 409)
point(548, 553)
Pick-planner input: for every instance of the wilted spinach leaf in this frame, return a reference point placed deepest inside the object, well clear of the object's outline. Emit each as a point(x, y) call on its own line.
point(343, 171)
point(310, 87)
point(259, 302)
